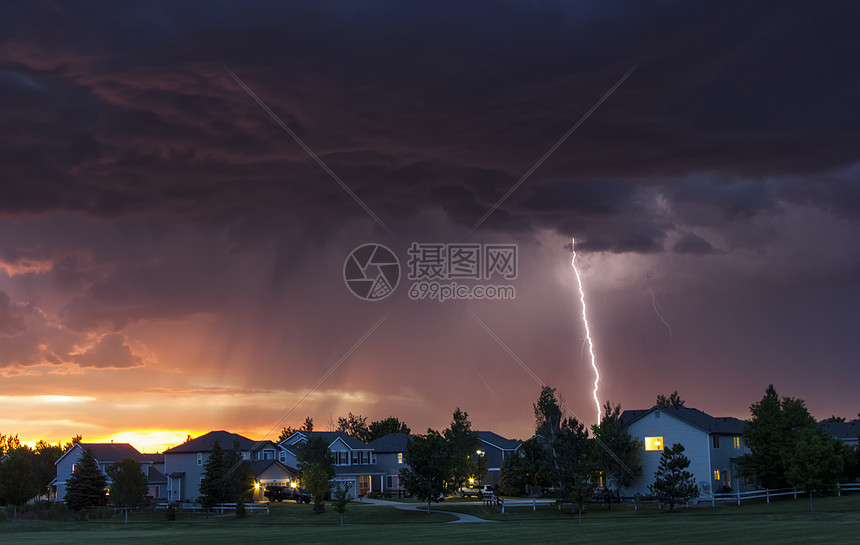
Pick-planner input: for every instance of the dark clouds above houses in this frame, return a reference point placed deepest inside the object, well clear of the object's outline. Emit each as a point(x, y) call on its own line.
point(124, 111)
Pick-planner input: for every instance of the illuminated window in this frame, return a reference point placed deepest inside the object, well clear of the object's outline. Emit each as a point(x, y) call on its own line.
point(74, 467)
point(653, 443)
point(737, 442)
point(399, 457)
point(716, 474)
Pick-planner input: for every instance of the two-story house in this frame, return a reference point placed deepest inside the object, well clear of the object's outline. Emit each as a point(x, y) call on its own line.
point(493, 450)
point(711, 444)
point(105, 455)
point(185, 464)
point(354, 461)
point(390, 450)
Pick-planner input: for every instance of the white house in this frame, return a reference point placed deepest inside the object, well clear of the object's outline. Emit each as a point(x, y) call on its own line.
point(712, 445)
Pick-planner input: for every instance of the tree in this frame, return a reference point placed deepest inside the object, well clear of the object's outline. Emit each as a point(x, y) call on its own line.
point(341, 499)
point(17, 477)
point(833, 419)
point(288, 431)
point(86, 487)
point(814, 464)
point(317, 469)
point(673, 484)
point(463, 443)
point(526, 469)
point(45, 456)
point(574, 460)
point(354, 425)
point(771, 434)
point(128, 484)
point(227, 477)
point(381, 428)
point(428, 461)
point(674, 400)
point(618, 454)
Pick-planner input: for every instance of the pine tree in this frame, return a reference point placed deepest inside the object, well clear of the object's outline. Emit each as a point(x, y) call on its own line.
point(211, 487)
point(619, 455)
point(673, 484)
point(86, 487)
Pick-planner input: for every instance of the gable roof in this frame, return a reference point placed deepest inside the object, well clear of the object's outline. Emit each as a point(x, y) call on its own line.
point(106, 452)
point(393, 442)
point(724, 425)
point(845, 431)
point(155, 477)
point(496, 440)
point(330, 437)
point(259, 466)
point(205, 442)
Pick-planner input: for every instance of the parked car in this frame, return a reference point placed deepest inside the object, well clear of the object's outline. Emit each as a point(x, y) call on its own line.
point(478, 491)
point(281, 493)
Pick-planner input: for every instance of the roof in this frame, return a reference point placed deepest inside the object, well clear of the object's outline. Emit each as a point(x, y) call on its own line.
point(154, 458)
point(393, 442)
point(724, 425)
point(259, 466)
point(845, 431)
point(155, 477)
point(107, 452)
point(205, 442)
point(358, 470)
point(498, 441)
point(331, 436)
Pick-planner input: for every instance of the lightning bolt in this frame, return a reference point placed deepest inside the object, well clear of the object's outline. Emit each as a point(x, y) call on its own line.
point(659, 315)
point(587, 331)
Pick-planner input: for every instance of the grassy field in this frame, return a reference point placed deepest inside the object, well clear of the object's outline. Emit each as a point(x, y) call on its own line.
point(785, 522)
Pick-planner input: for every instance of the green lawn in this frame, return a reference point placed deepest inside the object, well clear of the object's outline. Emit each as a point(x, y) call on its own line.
point(786, 522)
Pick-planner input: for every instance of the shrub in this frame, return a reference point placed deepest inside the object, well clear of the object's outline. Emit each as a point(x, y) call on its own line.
point(170, 513)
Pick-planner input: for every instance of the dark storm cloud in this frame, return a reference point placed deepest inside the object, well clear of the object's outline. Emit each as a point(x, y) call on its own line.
point(139, 119)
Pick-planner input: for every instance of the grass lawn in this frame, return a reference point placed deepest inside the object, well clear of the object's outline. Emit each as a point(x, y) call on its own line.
point(786, 522)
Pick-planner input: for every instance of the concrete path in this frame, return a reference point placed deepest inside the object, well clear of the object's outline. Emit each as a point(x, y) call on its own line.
point(417, 506)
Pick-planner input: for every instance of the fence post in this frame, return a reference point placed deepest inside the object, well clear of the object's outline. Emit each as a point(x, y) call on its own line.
point(739, 498)
point(534, 504)
point(838, 491)
point(795, 493)
point(503, 506)
point(767, 495)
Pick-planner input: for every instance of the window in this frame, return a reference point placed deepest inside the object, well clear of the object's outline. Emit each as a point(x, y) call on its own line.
point(716, 441)
point(355, 460)
point(200, 458)
point(246, 455)
point(74, 467)
point(392, 481)
point(399, 457)
point(341, 458)
point(736, 442)
point(268, 455)
point(716, 474)
point(653, 443)
point(656, 414)
point(282, 456)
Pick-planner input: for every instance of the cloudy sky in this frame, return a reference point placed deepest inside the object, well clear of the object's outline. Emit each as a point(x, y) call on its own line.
point(172, 259)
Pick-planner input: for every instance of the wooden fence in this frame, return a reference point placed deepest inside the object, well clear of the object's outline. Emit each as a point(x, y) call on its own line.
point(218, 508)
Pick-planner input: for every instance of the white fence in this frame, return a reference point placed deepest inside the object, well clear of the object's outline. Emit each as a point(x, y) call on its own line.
point(218, 508)
point(768, 494)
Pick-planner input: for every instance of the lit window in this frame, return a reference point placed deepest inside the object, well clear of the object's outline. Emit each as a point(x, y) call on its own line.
point(716, 474)
point(74, 467)
point(653, 443)
point(737, 442)
point(399, 457)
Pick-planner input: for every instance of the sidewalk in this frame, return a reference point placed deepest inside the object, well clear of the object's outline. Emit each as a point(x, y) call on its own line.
point(420, 506)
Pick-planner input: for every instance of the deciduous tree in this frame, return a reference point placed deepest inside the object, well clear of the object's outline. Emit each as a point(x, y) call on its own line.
point(674, 400)
point(17, 477)
point(354, 425)
point(315, 463)
point(463, 444)
point(428, 461)
point(383, 427)
point(128, 484)
point(814, 464)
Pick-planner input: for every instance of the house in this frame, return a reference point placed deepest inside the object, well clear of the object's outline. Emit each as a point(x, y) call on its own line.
point(354, 461)
point(105, 455)
point(184, 465)
point(271, 473)
point(493, 451)
point(712, 445)
point(847, 432)
point(389, 451)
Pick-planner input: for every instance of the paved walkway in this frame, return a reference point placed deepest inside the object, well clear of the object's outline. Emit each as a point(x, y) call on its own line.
point(415, 506)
